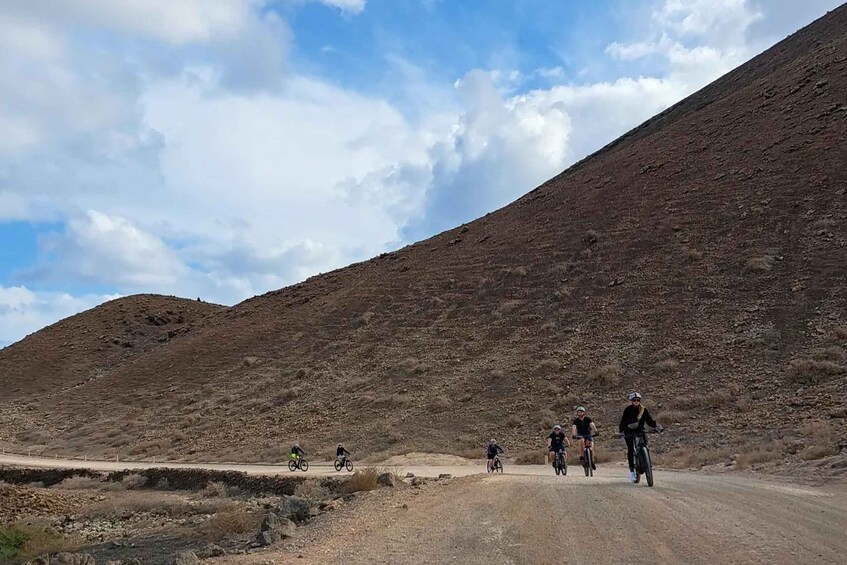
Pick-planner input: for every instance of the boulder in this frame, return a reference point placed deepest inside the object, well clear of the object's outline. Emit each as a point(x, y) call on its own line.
point(385, 480)
point(274, 529)
point(294, 508)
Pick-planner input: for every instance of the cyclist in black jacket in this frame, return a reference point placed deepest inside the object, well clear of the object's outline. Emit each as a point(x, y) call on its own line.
point(492, 451)
point(632, 422)
point(341, 453)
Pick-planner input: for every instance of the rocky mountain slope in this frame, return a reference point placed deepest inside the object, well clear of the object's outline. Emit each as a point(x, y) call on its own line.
point(700, 258)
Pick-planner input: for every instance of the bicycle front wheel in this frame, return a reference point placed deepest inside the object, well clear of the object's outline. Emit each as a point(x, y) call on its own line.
point(349, 465)
point(304, 465)
point(647, 466)
point(588, 463)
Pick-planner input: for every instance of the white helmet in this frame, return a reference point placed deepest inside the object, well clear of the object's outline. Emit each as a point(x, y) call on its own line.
point(634, 395)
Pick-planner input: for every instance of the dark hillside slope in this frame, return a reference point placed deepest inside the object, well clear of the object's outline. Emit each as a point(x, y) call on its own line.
point(91, 343)
point(701, 259)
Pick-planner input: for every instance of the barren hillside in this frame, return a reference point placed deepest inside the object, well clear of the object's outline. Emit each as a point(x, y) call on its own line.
point(700, 258)
point(92, 343)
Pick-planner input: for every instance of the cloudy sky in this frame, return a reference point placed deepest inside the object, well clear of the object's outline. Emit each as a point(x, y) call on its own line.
point(223, 148)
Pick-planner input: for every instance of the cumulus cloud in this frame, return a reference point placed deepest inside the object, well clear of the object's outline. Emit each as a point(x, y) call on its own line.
point(353, 6)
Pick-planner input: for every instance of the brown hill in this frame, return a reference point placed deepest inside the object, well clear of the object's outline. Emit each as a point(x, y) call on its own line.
point(700, 258)
point(90, 344)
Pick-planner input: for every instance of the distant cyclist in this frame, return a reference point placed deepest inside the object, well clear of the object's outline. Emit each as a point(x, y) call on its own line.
point(556, 442)
point(492, 451)
point(341, 454)
point(583, 427)
point(297, 452)
point(632, 423)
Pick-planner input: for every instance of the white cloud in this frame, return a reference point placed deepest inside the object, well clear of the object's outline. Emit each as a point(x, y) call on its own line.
point(23, 311)
point(173, 21)
point(352, 6)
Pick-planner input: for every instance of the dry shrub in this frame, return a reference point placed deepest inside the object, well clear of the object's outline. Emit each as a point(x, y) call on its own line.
point(548, 366)
point(591, 236)
point(441, 403)
point(216, 489)
point(840, 333)
point(136, 502)
point(695, 458)
point(134, 482)
point(507, 307)
point(821, 441)
point(364, 319)
point(764, 263)
point(313, 490)
point(606, 376)
point(835, 354)
point(671, 416)
point(514, 272)
point(228, 522)
point(761, 454)
point(559, 269)
point(285, 396)
point(87, 483)
point(667, 366)
point(530, 457)
point(24, 541)
point(808, 371)
point(364, 479)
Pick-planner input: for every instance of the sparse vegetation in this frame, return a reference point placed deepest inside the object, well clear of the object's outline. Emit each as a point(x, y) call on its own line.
point(667, 366)
point(811, 371)
point(238, 520)
point(22, 541)
point(606, 376)
point(764, 263)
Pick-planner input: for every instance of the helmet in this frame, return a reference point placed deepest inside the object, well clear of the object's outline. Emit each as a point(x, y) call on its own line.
point(340, 445)
point(634, 395)
point(581, 409)
point(557, 427)
point(491, 441)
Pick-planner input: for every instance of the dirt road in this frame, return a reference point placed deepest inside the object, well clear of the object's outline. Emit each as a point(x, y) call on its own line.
point(528, 515)
point(685, 518)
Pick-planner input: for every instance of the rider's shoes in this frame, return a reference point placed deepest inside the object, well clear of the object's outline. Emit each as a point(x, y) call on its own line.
point(593, 466)
point(581, 458)
point(632, 476)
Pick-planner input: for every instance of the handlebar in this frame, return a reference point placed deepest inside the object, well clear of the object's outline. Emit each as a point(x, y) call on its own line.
point(642, 433)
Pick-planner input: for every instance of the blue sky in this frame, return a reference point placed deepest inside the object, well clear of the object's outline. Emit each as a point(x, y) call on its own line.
point(224, 148)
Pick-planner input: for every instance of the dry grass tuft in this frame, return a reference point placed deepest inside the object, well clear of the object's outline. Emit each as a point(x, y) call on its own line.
point(364, 479)
point(133, 482)
point(606, 376)
point(667, 366)
point(773, 451)
point(530, 457)
point(20, 542)
point(228, 522)
point(810, 371)
point(764, 263)
point(88, 483)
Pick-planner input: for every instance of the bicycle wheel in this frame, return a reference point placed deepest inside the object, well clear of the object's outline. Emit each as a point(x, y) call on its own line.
point(558, 467)
point(647, 465)
point(498, 466)
point(304, 465)
point(349, 465)
point(564, 465)
point(292, 465)
point(589, 471)
point(338, 464)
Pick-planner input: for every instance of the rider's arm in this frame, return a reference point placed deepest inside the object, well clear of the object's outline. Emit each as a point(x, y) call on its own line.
point(622, 425)
point(593, 429)
point(648, 419)
point(573, 430)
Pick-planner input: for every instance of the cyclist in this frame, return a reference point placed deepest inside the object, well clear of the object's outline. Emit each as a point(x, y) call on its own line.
point(341, 454)
point(582, 427)
point(556, 442)
point(492, 451)
point(632, 422)
point(297, 453)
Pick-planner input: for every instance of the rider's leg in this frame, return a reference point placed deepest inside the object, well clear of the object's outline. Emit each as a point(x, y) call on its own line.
point(581, 447)
point(630, 452)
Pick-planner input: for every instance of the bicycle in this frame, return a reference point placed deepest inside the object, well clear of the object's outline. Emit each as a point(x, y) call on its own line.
point(496, 465)
point(560, 464)
point(342, 463)
point(295, 464)
point(588, 454)
point(643, 462)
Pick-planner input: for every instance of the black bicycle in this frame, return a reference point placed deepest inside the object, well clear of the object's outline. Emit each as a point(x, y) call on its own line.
point(298, 464)
point(560, 464)
point(343, 463)
point(496, 465)
point(643, 462)
point(588, 455)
